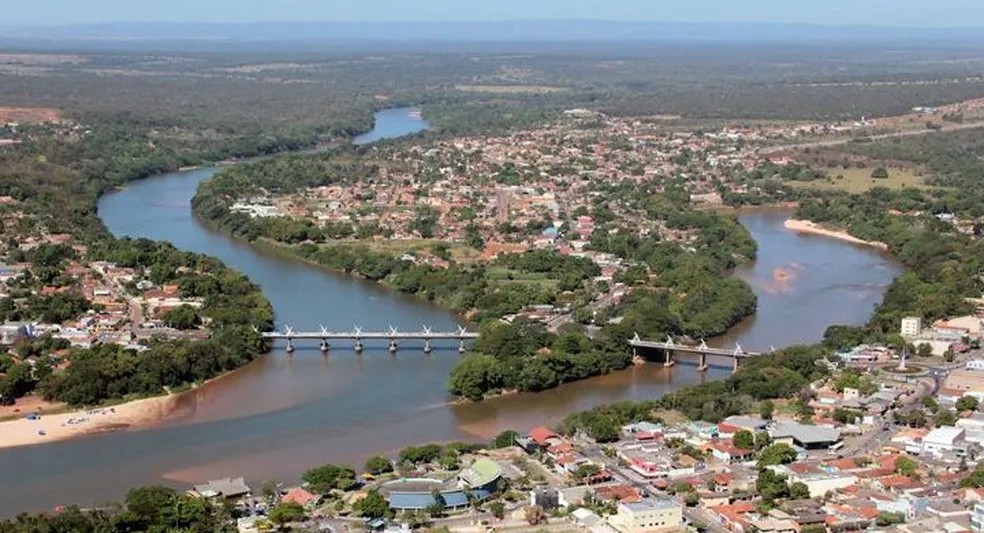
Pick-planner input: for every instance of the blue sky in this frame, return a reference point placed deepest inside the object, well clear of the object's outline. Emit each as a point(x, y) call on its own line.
point(874, 12)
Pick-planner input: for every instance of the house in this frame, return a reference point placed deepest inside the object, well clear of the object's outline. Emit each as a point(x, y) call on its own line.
point(225, 488)
point(301, 497)
point(946, 440)
point(544, 437)
point(729, 453)
point(819, 483)
point(653, 514)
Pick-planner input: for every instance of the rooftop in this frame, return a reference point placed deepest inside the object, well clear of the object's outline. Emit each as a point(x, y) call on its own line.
point(650, 504)
point(945, 434)
point(804, 433)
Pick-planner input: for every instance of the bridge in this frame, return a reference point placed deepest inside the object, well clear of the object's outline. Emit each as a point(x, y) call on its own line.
point(669, 347)
point(358, 336)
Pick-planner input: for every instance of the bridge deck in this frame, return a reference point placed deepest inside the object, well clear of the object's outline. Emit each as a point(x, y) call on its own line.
point(369, 335)
point(692, 349)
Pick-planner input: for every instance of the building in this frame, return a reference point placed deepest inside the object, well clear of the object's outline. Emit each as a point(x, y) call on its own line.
point(648, 515)
point(820, 483)
point(977, 518)
point(970, 382)
point(973, 427)
point(911, 326)
point(805, 436)
point(975, 364)
point(475, 483)
point(945, 440)
point(225, 488)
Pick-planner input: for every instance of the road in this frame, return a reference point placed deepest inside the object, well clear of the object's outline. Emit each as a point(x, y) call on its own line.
point(881, 136)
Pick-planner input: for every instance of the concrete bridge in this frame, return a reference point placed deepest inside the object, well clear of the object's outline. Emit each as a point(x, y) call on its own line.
point(325, 336)
point(669, 347)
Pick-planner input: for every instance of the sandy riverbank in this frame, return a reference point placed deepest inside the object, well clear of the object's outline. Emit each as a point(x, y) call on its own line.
point(806, 226)
point(69, 425)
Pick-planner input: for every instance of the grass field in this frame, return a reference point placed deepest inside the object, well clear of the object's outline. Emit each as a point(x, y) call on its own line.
point(511, 89)
point(856, 180)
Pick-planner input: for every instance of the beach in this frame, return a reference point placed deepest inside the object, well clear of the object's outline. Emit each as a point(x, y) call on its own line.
point(61, 426)
point(806, 226)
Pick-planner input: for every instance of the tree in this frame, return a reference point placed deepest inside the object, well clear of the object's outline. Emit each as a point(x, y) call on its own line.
point(270, 490)
point(378, 465)
point(691, 499)
point(373, 505)
point(183, 317)
point(799, 491)
point(766, 409)
point(498, 509)
point(286, 513)
point(946, 418)
point(585, 471)
point(967, 403)
point(534, 515)
point(147, 504)
point(436, 507)
point(505, 439)
point(924, 350)
point(771, 486)
point(886, 519)
point(930, 403)
point(879, 173)
point(905, 466)
point(326, 478)
point(776, 454)
point(744, 439)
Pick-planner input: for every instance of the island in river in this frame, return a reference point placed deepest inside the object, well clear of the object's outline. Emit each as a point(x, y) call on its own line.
point(279, 415)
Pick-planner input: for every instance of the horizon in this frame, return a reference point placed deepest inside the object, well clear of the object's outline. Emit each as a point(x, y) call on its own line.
point(879, 13)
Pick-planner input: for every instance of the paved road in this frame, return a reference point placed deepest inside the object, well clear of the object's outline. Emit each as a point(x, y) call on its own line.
point(881, 136)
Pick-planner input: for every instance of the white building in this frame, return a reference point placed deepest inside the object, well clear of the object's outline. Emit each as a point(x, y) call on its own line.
point(945, 440)
point(648, 515)
point(973, 427)
point(977, 519)
point(911, 326)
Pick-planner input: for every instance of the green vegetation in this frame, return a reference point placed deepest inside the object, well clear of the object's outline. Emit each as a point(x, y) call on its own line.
point(144, 509)
point(524, 356)
point(326, 478)
point(776, 375)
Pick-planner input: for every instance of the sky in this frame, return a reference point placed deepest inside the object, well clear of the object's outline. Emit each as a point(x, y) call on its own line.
point(923, 13)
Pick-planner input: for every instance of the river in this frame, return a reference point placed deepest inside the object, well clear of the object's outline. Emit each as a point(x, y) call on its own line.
point(281, 415)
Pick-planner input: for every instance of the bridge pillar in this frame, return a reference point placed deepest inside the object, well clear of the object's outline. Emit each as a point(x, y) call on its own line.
point(358, 346)
point(735, 367)
point(290, 346)
point(702, 367)
point(427, 346)
point(392, 346)
point(324, 345)
point(461, 346)
point(669, 359)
